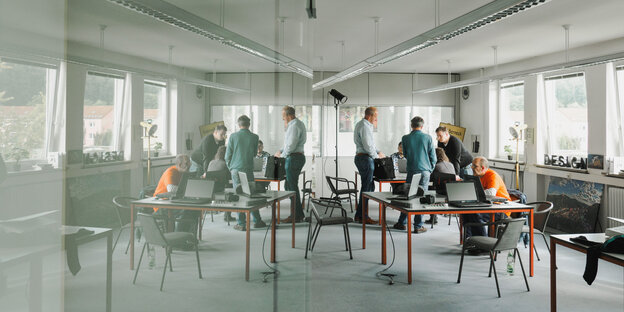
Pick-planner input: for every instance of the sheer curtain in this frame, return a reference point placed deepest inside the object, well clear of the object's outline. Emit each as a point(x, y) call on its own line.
point(56, 107)
point(123, 108)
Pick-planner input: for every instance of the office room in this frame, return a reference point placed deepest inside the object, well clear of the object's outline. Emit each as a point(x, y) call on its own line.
point(305, 155)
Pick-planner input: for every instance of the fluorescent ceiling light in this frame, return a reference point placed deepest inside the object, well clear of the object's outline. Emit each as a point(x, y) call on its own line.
point(175, 16)
point(489, 13)
point(535, 71)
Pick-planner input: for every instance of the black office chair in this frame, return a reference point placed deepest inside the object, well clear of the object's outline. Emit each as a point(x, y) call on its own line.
point(154, 236)
point(507, 240)
point(541, 212)
point(306, 191)
point(339, 193)
point(343, 220)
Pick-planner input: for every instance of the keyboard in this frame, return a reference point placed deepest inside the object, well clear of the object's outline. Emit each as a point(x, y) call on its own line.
point(470, 205)
point(191, 200)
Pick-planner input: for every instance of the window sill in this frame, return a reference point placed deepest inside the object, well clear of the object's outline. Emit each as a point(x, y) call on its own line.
point(106, 164)
point(583, 171)
point(505, 161)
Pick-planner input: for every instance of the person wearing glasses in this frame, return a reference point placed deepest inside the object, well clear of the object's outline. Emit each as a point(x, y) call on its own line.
point(457, 153)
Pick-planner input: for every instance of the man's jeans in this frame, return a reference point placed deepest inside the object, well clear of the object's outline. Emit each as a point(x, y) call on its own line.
point(365, 166)
point(294, 165)
point(235, 183)
point(424, 183)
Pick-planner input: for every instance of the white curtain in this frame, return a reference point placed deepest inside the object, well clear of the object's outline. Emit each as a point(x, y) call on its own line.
point(123, 106)
point(56, 99)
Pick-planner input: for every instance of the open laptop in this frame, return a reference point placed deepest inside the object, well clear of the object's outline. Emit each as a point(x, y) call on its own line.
point(402, 165)
point(258, 164)
point(249, 189)
point(463, 195)
point(439, 181)
point(481, 192)
point(196, 192)
point(415, 190)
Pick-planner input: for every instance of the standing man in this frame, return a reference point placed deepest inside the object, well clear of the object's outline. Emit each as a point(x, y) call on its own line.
point(295, 159)
point(241, 149)
point(457, 153)
point(205, 153)
point(421, 158)
point(365, 152)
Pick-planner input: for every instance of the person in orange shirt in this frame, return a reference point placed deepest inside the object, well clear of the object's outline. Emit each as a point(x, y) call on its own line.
point(171, 177)
point(492, 185)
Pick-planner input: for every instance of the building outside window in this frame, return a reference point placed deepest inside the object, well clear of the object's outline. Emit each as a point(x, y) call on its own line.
point(103, 93)
point(25, 92)
point(510, 112)
point(566, 115)
point(155, 108)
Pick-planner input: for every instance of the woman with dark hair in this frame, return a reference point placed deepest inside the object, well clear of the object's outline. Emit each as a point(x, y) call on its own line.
point(442, 166)
point(218, 165)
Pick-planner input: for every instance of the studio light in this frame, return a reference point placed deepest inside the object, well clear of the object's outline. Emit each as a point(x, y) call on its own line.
point(338, 97)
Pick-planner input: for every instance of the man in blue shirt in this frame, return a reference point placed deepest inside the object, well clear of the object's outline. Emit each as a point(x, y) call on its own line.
point(241, 149)
point(421, 158)
point(365, 152)
point(295, 159)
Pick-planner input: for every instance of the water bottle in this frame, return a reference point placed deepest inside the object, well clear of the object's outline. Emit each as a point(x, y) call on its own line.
point(511, 260)
point(151, 253)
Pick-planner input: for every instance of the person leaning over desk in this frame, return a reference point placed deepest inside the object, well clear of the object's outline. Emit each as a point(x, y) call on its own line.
point(205, 153)
point(218, 165)
point(457, 153)
point(365, 152)
point(241, 148)
point(295, 159)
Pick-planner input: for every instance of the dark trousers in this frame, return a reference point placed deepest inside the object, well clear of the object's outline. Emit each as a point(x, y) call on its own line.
point(294, 165)
point(365, 166)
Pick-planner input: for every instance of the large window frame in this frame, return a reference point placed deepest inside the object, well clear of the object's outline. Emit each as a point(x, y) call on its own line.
point(162, 120)
point(507, 118)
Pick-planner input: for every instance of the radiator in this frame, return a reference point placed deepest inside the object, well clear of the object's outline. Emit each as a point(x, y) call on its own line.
point(615, 205)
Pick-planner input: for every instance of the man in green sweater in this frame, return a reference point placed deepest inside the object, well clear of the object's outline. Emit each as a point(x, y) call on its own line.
point(241, 149)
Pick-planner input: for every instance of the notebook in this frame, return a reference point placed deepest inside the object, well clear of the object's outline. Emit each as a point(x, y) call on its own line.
point(196, 192)
point(481, 192)
point(258, 164)
point(414, 191)
point(249, 190)
point(464, 195)
point(402, 165)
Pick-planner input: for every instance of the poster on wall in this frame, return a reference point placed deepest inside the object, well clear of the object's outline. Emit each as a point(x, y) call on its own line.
point(575, 205)
point(209, 128)
point(456, 131)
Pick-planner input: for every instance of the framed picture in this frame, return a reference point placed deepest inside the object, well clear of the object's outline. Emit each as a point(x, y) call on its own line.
point(595, 161)
point(209, 128)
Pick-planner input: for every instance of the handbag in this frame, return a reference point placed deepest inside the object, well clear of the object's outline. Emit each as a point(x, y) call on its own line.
point(275, 168)
point(384, 168)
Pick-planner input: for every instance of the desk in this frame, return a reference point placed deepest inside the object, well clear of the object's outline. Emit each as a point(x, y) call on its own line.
point(241, 206)
point(383, 199)
point(259, 177)
point(564, 240)
point(398, 179)
point(33, 255)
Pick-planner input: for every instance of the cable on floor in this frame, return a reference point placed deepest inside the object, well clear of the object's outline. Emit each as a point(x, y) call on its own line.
point(274, 271)
point(381, 274)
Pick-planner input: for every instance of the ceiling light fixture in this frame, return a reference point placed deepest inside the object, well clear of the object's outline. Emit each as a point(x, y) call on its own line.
point(489, 13)
point(175, 16)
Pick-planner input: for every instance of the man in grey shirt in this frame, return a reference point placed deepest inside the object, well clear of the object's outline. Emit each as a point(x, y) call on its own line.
point(295, 159)
point(365, 152)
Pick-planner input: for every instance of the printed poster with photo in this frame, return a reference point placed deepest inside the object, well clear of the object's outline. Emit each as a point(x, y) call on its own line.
point(576, 205)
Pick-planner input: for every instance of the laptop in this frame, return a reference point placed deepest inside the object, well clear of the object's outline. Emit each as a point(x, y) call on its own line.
point(258, 164)
point(481, 192)
point(402, 165)
point(249, 189)
point(179, 192)
point(196, 192)
point(415, 190)
point(464, 195)
point(439, 181)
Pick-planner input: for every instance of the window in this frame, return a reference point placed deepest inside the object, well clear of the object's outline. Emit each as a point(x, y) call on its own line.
point(103, 96)
point(25, 91)
point(155, 108)
point(433, 116)
point(615, 119)
point(566, 115)
point(510, 112)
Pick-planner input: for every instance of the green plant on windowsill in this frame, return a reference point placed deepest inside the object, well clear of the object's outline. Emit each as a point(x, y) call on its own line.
point(509, 152)
point(157, 147)
point(18, 154)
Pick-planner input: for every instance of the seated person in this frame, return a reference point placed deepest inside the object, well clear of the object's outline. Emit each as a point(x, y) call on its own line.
point(442, 166)
point(186, 220)
point(399, 154)
point(262, 154)
point(492, 185)
point(218, 165)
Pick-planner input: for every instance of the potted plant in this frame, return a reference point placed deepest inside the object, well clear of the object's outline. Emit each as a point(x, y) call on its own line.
point(509, 152)
point(18, 154)
point(157, 148)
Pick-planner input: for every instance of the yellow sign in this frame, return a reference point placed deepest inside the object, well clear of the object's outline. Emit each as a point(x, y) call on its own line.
point(209, 128)
point(456, 131)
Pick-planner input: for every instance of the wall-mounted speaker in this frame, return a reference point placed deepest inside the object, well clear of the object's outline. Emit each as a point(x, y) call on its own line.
point(465, 93)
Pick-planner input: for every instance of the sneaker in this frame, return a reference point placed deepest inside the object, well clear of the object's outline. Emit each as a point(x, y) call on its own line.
point(260, 224)
point(239, 227)
point(419, 230)
point(399, 226)
point(290, 220)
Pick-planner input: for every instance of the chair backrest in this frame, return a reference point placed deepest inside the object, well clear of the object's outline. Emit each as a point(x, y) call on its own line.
point(122, 208)
point(332, 187)
point(325, 203)
point(541, 212)
point(151, 231)
point(307, 184)
point(508, 239)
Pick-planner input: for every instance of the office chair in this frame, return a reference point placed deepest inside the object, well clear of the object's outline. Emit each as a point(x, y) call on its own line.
point(343, 220)
point(337, 192)
point(541, 212)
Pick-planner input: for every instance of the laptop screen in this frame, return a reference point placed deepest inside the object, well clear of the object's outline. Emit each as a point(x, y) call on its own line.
point(413, 190)
point(461, 192)
point(244, 182)
point(258, 163)
point(199, 188)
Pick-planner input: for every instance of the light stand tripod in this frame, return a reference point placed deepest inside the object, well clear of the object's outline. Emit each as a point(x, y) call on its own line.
point(339, 98)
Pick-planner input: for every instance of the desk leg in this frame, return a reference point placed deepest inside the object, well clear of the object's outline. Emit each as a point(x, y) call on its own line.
point(109, 270)
point(293, 213)
point(364, 218)
point(35, 300)
point(382, 219)
point(531, 243)
point(132, 237)
point(273, 225)
point(247, 226)
point(279, 206)
point(409, 248)
point(380, 202)
point(553, 275)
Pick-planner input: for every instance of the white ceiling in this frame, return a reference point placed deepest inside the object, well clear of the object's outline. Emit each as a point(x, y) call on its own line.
point(528, 34)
